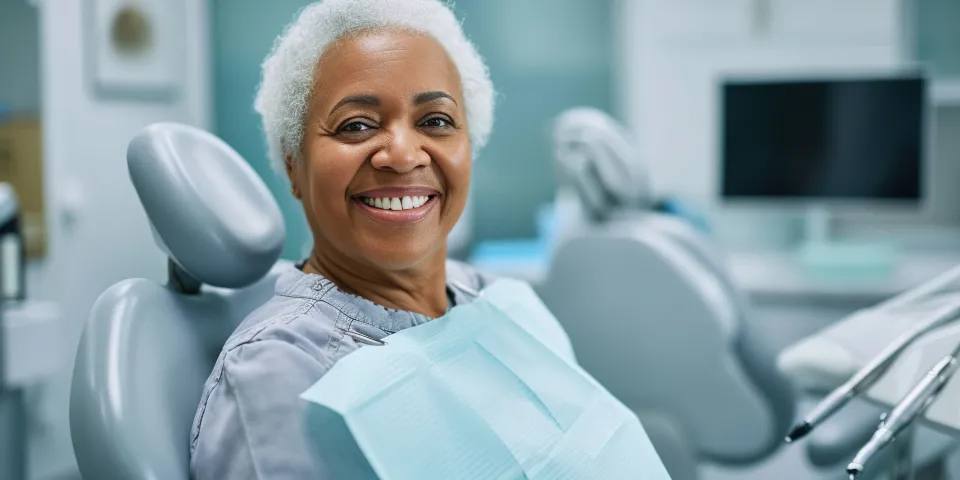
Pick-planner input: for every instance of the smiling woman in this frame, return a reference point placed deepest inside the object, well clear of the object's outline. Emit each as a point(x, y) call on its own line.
point(385, 122)
point(374, 110)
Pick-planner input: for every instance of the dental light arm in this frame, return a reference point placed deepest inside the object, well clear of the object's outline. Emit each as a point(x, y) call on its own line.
point(599, 157)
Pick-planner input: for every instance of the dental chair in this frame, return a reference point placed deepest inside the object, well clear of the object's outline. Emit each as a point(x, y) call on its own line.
point(655, 317)
point(148, 347)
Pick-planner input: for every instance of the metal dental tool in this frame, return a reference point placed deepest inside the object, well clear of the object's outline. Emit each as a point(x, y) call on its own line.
point(913, 404)
point(868, 375)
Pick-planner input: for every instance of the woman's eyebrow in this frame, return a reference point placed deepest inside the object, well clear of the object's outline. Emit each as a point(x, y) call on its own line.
point(426, 97)
point(365, 100)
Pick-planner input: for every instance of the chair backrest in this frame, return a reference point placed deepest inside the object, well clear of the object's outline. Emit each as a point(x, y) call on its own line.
point(691, 346)
point(663, 332)
point(148, 347)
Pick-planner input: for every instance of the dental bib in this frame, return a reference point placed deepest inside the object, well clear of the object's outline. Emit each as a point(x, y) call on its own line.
point(489, 391)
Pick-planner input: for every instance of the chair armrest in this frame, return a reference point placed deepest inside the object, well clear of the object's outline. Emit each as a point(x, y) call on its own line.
point(843, 434)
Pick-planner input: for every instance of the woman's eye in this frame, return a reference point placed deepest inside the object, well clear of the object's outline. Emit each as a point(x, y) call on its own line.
point(354, 127)
point(437, 122)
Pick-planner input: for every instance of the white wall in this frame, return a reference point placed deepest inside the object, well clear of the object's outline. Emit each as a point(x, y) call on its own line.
point(99, 234)
point(674, 52)
point(19, 54)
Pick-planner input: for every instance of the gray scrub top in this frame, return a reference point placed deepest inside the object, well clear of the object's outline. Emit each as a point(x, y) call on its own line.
point(250, 422)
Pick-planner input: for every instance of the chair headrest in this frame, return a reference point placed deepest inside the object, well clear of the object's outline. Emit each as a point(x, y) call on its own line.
point(210, 211)
point(599, 155)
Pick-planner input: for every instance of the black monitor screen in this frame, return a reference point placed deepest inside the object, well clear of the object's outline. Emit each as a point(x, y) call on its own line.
point(841, 139)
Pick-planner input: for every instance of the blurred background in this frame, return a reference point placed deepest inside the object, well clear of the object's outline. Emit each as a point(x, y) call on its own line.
point(68, 110)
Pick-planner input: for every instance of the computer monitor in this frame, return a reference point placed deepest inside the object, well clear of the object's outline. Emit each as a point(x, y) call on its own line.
point(824, 140)
point(825, 143)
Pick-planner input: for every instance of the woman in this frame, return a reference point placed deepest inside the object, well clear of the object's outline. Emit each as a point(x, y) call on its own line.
point(373, 109)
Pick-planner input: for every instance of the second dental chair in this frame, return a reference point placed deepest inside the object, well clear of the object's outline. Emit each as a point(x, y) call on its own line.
point(655, 316)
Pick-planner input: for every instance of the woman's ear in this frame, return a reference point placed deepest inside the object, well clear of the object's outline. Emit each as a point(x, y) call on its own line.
point(292, 175)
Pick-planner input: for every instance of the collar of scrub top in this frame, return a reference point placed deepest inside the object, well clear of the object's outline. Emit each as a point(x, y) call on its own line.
point(451, 302)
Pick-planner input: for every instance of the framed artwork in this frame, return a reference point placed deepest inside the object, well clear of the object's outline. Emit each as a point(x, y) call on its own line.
point(135, 48)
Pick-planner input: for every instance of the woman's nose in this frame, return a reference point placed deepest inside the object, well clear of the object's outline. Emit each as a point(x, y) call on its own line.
point(402, 153)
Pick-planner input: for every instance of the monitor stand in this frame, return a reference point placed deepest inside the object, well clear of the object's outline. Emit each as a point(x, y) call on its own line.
point(821, 255)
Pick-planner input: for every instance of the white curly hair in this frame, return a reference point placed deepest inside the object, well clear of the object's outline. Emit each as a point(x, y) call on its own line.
point(288, 71)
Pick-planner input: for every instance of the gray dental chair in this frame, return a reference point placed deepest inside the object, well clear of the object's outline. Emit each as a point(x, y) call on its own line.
point(654, 315)
point(148, 347)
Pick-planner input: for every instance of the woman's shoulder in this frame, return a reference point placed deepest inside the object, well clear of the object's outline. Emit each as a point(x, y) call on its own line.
point(281, 347)
point(296, 313)
point(292, 317)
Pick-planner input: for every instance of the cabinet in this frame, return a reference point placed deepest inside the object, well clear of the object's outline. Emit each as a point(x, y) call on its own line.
point(835, 22)
point(806, 22)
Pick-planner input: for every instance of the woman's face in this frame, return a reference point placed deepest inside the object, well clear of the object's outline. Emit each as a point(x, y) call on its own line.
point(386, 156)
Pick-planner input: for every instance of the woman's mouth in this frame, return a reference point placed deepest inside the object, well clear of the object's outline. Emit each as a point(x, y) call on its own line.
point(397, 203)
point(404, 209)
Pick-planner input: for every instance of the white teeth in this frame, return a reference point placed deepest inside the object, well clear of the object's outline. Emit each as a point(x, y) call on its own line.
point(397, 203)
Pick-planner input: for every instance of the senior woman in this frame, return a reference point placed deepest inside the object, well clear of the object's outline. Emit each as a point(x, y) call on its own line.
point(374, 110)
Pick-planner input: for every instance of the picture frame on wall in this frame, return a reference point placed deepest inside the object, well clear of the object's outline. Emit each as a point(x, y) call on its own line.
point(134, 48)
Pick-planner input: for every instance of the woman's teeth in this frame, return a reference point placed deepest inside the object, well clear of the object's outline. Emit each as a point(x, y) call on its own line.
point(396, 203)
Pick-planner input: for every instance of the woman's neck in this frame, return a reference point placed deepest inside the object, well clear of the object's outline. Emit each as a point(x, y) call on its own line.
point(421, 289)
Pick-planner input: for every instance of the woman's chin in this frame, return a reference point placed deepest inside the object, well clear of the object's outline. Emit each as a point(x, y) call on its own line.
point(393, 256)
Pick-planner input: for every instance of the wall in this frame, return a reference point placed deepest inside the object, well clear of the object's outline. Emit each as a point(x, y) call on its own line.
point(243, 32)
point(676, 52)
point(19, 56)
point(99, 234)
point(544, 56)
